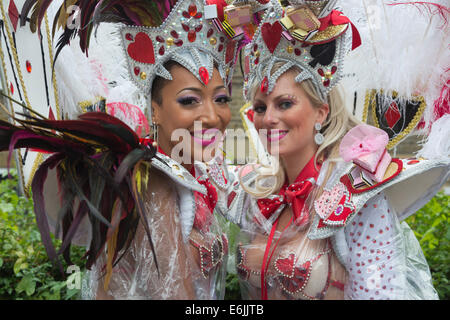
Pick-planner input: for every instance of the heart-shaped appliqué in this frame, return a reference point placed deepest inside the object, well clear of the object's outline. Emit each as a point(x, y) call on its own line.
point(292, 278)
point(271, 34)
point(329, 200)
point(141, 50)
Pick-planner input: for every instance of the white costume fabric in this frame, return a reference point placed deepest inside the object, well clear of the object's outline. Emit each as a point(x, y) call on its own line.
point(373, 253)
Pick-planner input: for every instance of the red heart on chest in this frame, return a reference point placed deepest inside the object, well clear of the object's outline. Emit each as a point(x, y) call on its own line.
point(292, 277)
point(141, 49)
point(271, 34)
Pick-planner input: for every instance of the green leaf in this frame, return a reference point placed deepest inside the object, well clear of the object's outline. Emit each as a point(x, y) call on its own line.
point(19, 265)
point(27, 284)
point(6, 207)
point(447, 235)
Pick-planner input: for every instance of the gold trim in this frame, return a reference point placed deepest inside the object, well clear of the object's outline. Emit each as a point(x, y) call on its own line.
point(329, 33)
point(11, 110)
point(413, 123)
point(87, 103)
point(367, 104)
point(50, 52)
point(27, 101)
point(37, 162)
point(16, 58)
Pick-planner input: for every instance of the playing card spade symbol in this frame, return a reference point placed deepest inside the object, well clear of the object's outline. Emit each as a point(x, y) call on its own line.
point(323, 53)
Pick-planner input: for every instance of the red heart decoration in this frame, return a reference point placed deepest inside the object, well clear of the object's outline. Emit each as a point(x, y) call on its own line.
point(286, 265)
point(292, 278)
point(141, 49)
point(271, 34)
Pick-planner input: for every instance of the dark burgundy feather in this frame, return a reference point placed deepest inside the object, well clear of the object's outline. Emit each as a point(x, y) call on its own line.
point(37, 187)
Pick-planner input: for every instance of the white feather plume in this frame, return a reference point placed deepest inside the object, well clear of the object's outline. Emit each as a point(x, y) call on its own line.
point(437, 144)
point(103, 73)
point(405, 49)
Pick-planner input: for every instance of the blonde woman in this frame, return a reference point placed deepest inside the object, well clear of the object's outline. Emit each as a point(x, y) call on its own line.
point(322, 219)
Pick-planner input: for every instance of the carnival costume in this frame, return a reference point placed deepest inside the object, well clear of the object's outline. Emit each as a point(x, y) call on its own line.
point(148, 223)
point(346, 238)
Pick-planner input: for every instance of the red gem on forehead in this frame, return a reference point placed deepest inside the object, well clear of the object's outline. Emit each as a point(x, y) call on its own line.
point(192, 35)
point(204, 75)
point(210, 32)
point(265, 85)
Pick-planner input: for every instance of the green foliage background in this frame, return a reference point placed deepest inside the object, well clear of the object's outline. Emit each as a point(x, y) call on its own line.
point(26, 272)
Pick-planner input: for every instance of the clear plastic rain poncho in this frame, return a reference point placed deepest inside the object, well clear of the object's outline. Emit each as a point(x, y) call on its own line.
point(191, 249)
point(368, 253)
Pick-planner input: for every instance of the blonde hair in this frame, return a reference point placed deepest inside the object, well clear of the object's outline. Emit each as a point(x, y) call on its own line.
point(338, 122)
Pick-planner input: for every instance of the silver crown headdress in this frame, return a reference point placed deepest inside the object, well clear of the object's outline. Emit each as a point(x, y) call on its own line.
point(310, 35)
point(194, 34)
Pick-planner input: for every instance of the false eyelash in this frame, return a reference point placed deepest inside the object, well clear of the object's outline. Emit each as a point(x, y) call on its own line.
point(187, 100)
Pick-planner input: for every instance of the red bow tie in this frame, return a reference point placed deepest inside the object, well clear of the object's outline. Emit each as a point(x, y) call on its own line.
point(294, 195)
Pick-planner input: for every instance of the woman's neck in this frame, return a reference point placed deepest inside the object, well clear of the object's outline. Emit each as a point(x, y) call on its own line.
point(294, 163)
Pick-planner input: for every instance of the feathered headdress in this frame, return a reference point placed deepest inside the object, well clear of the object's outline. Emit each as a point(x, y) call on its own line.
point(80, 17)
point(403, 65)
point(311, 35)
point(197, 34)
point(96, 159)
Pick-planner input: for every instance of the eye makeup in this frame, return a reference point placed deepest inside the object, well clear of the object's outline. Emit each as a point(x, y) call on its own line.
point(286, 101)
point(188, 100)
point(223, 99)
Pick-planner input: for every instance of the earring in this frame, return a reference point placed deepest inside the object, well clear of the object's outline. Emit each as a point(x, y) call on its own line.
point(318, 138)
point(155, 134)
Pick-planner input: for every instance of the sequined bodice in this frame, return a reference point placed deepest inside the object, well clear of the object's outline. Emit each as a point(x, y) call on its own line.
point(292, 273)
